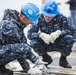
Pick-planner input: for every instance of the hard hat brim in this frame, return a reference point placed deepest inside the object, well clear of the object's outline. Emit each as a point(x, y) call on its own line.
point(35, 21)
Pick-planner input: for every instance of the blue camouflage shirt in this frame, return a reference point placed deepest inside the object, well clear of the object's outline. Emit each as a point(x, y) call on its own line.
point(59, 22)
point(11, 28)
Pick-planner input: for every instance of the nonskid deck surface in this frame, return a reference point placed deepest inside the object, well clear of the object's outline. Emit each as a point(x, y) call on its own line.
point(53, 71)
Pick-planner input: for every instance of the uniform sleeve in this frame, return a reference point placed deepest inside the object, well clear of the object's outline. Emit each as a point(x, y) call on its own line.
point(71, 2)
point(67, 28)
point(11, 33)
point(33, 32)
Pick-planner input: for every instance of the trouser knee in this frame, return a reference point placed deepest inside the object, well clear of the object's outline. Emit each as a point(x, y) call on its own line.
point(67, 42)
point(68, 39)
point(66, 45)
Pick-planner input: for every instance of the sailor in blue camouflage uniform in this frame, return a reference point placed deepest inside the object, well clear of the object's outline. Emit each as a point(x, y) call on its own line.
point(13, 44)
point(52, 33)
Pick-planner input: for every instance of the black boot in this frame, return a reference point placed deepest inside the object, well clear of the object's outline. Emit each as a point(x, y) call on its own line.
point(5, 71)
point(47, 58)
point(64, 63)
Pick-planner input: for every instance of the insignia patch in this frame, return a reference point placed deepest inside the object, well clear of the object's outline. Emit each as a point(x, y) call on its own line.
point(30, 11)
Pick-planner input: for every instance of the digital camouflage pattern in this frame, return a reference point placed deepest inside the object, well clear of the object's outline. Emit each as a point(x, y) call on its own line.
point(13, 44)
point(63, 44)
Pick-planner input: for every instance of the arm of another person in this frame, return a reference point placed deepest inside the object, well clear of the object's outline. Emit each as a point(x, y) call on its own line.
point(33, 32)
point(72, 2)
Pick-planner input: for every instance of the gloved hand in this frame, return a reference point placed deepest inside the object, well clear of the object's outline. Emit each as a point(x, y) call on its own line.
point(39, 61)
point(55, 35)
point(34, 70)
point(46, 38)
point(38, 68)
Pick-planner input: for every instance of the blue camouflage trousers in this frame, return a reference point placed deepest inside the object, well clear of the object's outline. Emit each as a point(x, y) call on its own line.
point(62, 45)
point(19, 51)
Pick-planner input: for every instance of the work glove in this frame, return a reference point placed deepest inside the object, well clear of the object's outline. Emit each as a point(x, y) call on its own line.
point(55, 35)
point(38, 68)
point(34, 71)
point(39, 61)
point(46, 38)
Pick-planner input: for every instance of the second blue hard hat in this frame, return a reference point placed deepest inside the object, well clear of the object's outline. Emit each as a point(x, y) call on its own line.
point(31, 11)
point(50, 8)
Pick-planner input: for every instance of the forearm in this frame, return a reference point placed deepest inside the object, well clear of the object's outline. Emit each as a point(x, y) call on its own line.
point(33, 36)
point(33, 32)
point(24, 64)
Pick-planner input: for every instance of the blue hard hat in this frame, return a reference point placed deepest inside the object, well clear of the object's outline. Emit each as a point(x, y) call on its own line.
point(31, 11)
point(50, 8)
